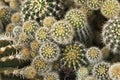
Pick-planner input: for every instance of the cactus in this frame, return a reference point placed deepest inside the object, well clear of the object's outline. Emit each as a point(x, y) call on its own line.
point(76, 18)
point(80, 2)
point(94, 4)
point(9, 28)
point(111, 34)
point(100, 71)
point(16, 18)
point(82, 73)
point(51, 76)
point(54, 39)
point(114, 71)
point(94, 55)
point(42, 35)
point(49, 51)
point(62, 32)
point(5, 13)
point(73, 56)
point(40, 65)
point(49, 21)
point(34, 45)
point(110, 8)
point(15, 5)
point(29, 27)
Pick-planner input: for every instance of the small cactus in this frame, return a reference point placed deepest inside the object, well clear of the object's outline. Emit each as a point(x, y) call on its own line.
point(110, 8)
point(100, 71)
point(114, 71)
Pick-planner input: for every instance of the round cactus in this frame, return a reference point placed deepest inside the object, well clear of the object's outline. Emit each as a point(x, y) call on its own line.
point(25, 53)
point(29, 27)
point(24, 39)
point(114, 71)
point(17, 31)
point(40, 65)
point(29, 72)
point(34, 45)
point(39, 9)
point(73, 56)
point(111, 34)
point(94, 4)
point(100, 71)
point(76, 18)
point(62, 32)
point(49, 51)
point(51, 76)
point(5, 14)
point(94, 55)
point(16, 18)
point(9, 28)
point(110, 8)
point(42, 35)
point(15, 5)
point(49, 21)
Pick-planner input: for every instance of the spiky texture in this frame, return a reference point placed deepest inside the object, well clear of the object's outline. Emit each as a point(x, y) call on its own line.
point(30, 26)
point(49, 21)
point(49, 51)
point(100, 71)
point(110, 8)
point(76, 18)
point(23, 39)
point(25, 53)
point(94, 55)
point(73, 56)
point(39, 9)
point(15, 5)
point(29, 72)
point(6, 37)
point(42, 35)
point(10, 27)
point(16, 18)
point(82, 73)
point(17, 30)
point(86, 10)
point(84, 35)
point(111, 34)
point(34, 45)
point(40, 65)
point(62, 32)
point(114, 71)
point(94, 4)
point(51, 76)
point(5, 13)
point(80, 2)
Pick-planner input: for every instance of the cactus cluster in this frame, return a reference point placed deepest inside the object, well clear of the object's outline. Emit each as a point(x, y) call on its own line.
point(59, 40)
